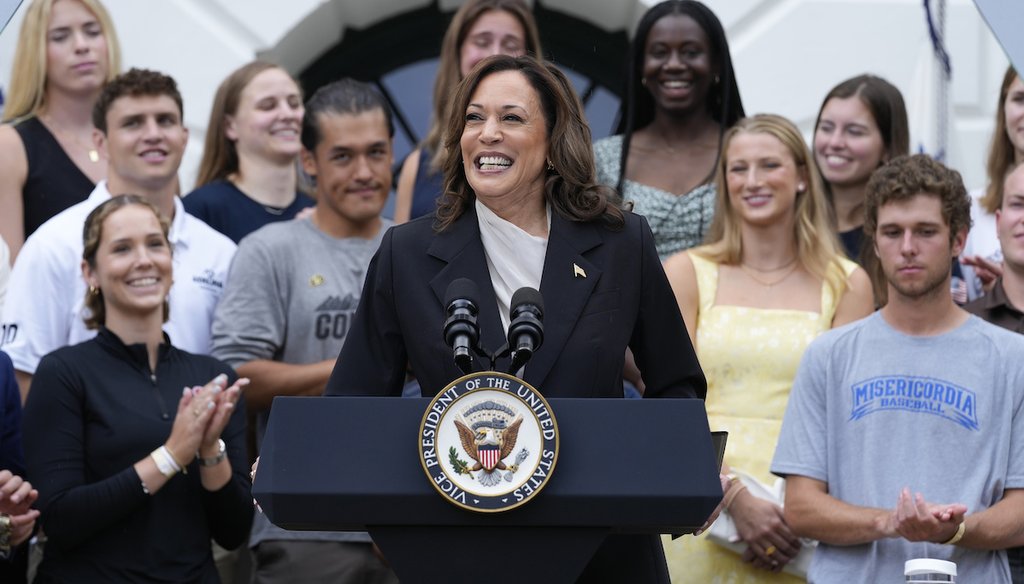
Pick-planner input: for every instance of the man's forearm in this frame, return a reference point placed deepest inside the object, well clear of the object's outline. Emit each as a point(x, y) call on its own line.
point(269, 379)
point(1000, 526)
point(811, 512)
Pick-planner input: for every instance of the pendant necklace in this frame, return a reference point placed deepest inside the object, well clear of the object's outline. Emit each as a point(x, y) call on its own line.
point(94, 155)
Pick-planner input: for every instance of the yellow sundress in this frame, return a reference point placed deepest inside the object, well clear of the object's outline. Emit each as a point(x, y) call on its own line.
point(750, 357)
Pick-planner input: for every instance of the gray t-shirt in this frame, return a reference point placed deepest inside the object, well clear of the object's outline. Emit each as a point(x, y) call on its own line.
point(291, 295)
point(873, 410)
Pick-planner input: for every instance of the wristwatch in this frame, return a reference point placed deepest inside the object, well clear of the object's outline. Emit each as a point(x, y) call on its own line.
point(6, 529)
point(222, 452)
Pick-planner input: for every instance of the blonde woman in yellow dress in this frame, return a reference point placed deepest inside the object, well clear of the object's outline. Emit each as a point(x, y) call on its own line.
point(771, 279)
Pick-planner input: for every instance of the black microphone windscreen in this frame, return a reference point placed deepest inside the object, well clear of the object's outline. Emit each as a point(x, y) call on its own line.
point(527, 295)
point(461, 288)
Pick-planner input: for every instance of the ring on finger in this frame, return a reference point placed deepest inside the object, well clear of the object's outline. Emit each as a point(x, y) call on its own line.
point(768, 551)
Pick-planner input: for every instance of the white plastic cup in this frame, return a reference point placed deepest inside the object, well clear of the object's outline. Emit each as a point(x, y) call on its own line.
point(926, 570)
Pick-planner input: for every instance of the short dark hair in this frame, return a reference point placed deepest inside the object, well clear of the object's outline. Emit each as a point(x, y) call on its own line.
point(345, 96)
point(570, 186)
point(134, 83)
point(907, 176)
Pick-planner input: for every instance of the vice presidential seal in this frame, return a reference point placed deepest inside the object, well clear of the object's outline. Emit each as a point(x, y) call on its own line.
point(488, 442)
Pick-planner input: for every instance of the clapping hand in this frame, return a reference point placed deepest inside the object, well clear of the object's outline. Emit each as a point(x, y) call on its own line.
point(203, 412)
point(915, 519)
point(16, 499)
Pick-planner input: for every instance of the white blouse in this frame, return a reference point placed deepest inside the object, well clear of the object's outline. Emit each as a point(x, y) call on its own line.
point(514, 257)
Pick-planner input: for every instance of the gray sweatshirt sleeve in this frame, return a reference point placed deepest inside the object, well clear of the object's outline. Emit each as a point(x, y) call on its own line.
point(250, 320)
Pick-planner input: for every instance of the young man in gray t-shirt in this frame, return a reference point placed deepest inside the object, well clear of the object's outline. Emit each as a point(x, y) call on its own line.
point(293, 289)
point(903, 437)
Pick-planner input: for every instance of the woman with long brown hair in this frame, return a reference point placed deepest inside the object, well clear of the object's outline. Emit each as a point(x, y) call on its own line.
point(982, 257)
point(479, 29)
point(247, 177)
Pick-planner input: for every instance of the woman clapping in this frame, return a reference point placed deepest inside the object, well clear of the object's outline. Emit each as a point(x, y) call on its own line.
point(134, 474)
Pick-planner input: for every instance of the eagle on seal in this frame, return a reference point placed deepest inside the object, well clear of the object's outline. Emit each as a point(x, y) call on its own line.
point(485, 439)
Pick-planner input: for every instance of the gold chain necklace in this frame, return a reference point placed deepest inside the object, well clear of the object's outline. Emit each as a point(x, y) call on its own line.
point(94, 155)
point(751, 272)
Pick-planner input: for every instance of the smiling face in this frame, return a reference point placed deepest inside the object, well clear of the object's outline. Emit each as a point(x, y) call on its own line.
point(762, 178)
point(145, 141)
point(848, 145)
point(1014, 112)
point(495, 32)
point(352, 166)
point(677, 68)
point(913, 244)
point(1010, 221)
point(132, 267)
point(504, 141)
point(268, 122)
point(76, 49)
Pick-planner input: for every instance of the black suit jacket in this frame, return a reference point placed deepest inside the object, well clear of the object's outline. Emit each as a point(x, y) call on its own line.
point(623, 300)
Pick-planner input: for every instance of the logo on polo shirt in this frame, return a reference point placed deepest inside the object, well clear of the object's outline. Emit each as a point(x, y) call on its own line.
point(921, 395)
point(209, 281)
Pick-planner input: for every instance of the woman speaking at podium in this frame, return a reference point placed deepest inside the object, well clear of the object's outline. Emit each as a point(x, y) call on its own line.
point(521, 208)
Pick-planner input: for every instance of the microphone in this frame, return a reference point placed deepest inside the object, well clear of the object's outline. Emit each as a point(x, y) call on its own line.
point(461, 332)
point(525, 329)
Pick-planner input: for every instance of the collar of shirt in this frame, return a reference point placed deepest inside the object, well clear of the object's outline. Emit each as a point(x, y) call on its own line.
point(177, 233)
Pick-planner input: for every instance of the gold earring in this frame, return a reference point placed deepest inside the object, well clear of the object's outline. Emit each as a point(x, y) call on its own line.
point(93, 291)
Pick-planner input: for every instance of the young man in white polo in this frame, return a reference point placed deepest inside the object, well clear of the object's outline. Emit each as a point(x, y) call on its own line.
point(141, 133)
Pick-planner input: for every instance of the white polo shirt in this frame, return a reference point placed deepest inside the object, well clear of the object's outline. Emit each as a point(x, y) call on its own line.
point(46, 292)
point(5, 272)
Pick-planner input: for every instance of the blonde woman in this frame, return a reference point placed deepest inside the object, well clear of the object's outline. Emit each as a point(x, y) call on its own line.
point(771, 278)
point(67, 51)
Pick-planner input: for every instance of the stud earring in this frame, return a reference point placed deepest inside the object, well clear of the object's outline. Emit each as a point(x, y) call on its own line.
point(93, 291)
point(643, 81)
point(801, 187)
point(717, 79)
